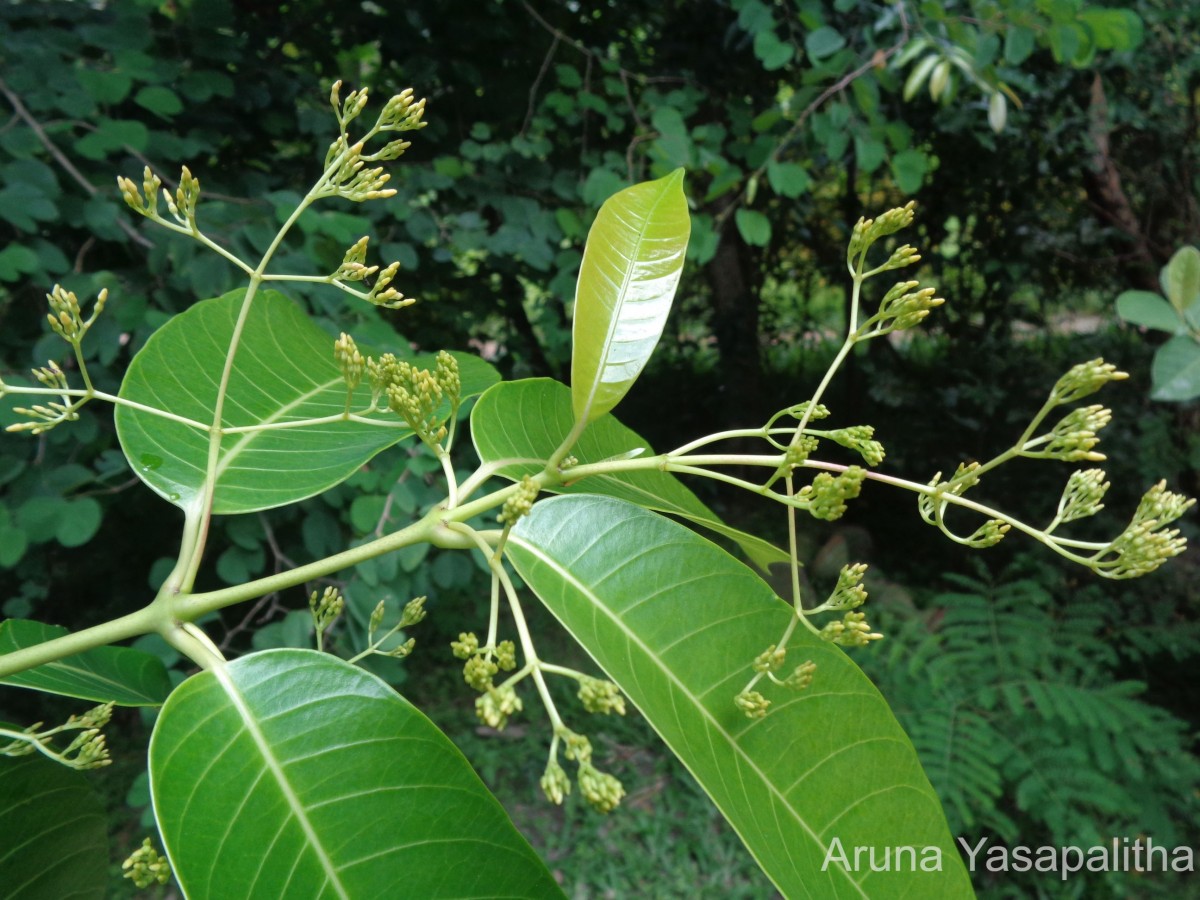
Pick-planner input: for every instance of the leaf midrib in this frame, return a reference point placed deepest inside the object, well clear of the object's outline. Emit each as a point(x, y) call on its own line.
point(285, 786)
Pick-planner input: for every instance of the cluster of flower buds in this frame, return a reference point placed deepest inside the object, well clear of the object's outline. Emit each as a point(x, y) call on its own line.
point(902, 307)
point(350, 361)
point(1083, 380)
point(144, 202)
point(495, 704)
point(849, 592)
point(182, 205)
point(145, 866)
point(350, 178)
point(1073, 438)
point(1083, 496)
point(520, 503)
point(851, 631)
point(403, 113)
point(752, 703)
point(66, 317)
point(414, 612)
point(601, 790)
point(325, 608)
point(417, 395)
point(826, 497)
point(859, 439)
point(868, 231)
point(601, 696)
point(354, 264)
point(1146, 543)
point(187, 196)
point(88, 749)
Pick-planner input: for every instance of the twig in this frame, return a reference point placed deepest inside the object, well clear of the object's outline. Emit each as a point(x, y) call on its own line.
point(62, 160)
point(537, 83)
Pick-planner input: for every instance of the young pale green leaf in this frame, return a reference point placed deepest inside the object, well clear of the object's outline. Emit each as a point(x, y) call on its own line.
point(1181, 278)
point(1176, 370)
point(527, 420)
point(1148, 310)
point(677, 623)
point(284, 371)
point(631, 267)
point(55, 835)
point(119, 675)
point(291, 773)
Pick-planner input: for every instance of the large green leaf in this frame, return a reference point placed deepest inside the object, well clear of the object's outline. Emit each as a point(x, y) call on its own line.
point(284, 371)
point(55, 842)
point(631, 267)
point(677, 623)
point(293, 774)
point(118, 675)
point(527, 420)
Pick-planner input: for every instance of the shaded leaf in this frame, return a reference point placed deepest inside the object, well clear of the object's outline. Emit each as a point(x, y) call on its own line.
point(291, 773)
point(1181, 278)
point(631, 267)
point(118, 675)
point(677, 622)
point(823, 42)
point(1176, 370)
point(909, 168)
point(1148, 310)
point(284, 371)
point(55, 834)
point(528, 419)
point(754, 227)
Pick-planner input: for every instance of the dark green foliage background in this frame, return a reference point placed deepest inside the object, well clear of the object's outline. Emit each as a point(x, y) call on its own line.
point(538, 111)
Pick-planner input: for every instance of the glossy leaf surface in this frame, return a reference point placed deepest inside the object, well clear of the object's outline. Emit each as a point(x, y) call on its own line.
point(119, 675)
point(293, 774)
point(55, 842)
point(631, 266)
point(677, 622)
point(528, 419)
point(284, 371)
point(1148, 310)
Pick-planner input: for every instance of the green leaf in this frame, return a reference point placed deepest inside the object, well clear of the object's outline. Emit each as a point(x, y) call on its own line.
point(119, 675)
point(55, 835)
point(17, 261)
point(753, 226)
point(869, 152)
point(771, 51)
point(528, 419)
point(909, 168)
point(284, 371)
point(677, 623)
point(159, 100)
point(823, 42)
point(1181, 278)
point(1148, 310)
point(1018, 45)
point(787, 179)
point(631, 267)
point(1176, 370)
point(291, 773)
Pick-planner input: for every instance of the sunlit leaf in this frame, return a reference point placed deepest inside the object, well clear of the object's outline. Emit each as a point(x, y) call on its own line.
point(631, 267)
point(677, 623)
point(284, 371)
point(294, 774)
point(528, 419)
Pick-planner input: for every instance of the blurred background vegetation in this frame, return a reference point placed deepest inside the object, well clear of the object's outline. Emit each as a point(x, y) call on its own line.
point(1052, 148)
